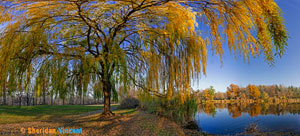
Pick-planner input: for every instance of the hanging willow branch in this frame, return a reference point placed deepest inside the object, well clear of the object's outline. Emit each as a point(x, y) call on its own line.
point(163, 42)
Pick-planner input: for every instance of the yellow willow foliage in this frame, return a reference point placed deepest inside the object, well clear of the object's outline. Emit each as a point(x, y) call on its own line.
point(159, 45)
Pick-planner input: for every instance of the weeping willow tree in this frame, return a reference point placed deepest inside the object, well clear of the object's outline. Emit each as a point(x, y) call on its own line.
point(157, 45)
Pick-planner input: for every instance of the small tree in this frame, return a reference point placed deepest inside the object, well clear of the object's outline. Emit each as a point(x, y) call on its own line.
point(265, 96)
point(212, 92)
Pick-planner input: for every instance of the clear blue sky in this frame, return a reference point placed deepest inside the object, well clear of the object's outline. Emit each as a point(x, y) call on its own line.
point(286, 70)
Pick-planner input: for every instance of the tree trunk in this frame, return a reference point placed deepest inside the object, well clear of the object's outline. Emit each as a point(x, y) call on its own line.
point(80, 100)
point(51, 100)
point(27, 99)
point(44, 96)
point(63, 101)
point(71, 100)
point(4, 96)
point(20, 100)
point(107, 94)
point(83, 100)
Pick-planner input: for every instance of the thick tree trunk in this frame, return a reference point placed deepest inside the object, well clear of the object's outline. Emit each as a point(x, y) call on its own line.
point(63, 101)
point(107, 103)
point(107, 94)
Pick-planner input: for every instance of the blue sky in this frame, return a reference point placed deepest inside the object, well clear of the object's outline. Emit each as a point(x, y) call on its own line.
point(286, 70)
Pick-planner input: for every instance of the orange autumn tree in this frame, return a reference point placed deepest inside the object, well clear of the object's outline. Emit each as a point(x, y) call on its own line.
point(254, 91)
point(209, 93)
point(206, 94)
point(233, 91)
point(157, 45)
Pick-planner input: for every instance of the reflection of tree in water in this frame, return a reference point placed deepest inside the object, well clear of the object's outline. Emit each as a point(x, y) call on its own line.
point(220, 105)
point(253, 109)
point(234, 110)
point(280, 109)
point(274, 108)
point(209, 108)
point(295, 108)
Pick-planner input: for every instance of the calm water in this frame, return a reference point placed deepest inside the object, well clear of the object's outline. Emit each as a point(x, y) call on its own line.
point(231, 119)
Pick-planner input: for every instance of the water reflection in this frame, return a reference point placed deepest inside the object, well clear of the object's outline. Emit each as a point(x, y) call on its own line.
point(253, 109)
point(209, 109)
point(234, 118)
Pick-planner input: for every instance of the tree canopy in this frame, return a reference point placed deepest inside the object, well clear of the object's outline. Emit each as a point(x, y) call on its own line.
point(157, 45)
point(254, 91)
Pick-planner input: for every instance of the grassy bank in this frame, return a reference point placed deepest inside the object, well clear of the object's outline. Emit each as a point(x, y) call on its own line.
point(125, 122)
point(15, 114)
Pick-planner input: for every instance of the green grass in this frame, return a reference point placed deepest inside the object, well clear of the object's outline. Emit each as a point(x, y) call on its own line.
point(17, 114)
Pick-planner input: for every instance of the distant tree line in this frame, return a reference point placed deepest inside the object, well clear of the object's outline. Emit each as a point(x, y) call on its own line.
point(49, 96)
point(254, 92)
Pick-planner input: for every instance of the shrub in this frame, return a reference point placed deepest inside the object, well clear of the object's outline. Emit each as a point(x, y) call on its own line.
point(173, 109)
point(129, 103)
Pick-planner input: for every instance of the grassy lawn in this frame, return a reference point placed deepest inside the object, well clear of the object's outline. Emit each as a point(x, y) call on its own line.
point(17, 114)
point(125, 121)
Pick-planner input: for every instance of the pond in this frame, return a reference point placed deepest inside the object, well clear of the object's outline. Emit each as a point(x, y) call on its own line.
point(234, 119)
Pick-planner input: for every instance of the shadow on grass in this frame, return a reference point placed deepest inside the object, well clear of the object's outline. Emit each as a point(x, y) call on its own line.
point(10, 114)
point(125, 122)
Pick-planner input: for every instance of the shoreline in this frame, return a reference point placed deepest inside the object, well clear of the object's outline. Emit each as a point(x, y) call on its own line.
point(269, 101)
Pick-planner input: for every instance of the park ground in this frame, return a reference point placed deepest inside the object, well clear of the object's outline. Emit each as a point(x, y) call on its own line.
point(87, 117)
